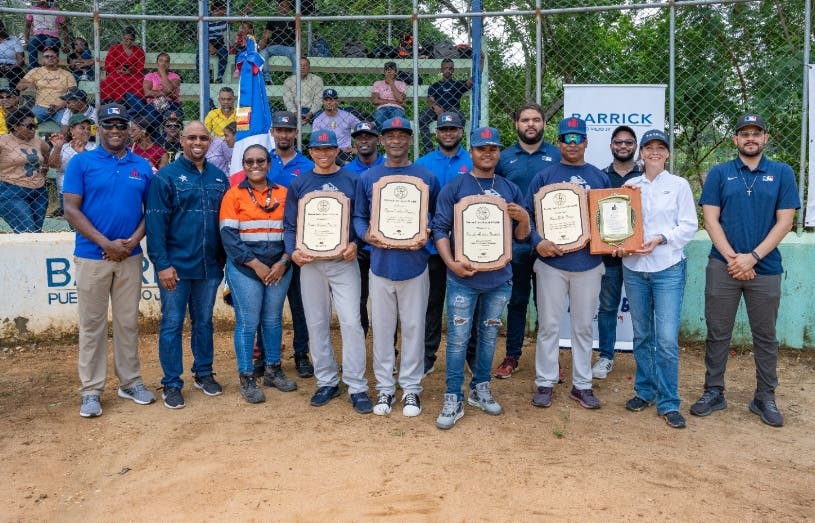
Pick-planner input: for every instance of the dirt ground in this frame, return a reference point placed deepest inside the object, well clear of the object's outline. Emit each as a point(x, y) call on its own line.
point(220, 459)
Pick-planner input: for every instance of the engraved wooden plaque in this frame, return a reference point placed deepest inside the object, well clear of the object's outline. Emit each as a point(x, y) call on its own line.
point(323, 221)
point(616, 219)
point(399, 207)
point(562, 215)
point(482, 230)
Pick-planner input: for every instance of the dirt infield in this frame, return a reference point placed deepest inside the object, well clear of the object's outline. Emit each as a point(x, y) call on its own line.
point(220, 459)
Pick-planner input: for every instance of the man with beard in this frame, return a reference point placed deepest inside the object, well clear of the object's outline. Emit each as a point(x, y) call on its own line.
point(748, 205)
point(184, 244)
point(222, 116)
point(622, 168)
point(447, 161)
point(287, 164)
point(519, 164)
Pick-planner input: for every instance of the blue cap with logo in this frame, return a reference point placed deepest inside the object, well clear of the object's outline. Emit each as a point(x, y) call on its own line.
point(398, 123)
point(655, 135)
point(365, 127)
point(284, 120)
point(485, 136)
point(449, 119)
point(323, 138)
point(113, 112)
point(330, 93)
point(571, 125)
point(748, 120)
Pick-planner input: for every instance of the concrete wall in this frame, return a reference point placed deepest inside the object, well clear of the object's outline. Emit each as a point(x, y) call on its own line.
point(39, 291)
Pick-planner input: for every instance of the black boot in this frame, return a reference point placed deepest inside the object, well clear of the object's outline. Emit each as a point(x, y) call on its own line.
point(249, 389)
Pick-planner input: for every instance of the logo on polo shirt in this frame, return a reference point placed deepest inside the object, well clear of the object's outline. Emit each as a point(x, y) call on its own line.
point(767, 178)
point(462, 169)
point(134, 175)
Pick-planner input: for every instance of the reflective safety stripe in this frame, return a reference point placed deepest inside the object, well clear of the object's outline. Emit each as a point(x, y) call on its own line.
point(262, 236)
point(226, 222)
point(261, 224)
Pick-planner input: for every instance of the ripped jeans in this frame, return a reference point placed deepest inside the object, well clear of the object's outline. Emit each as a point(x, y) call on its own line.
point(461, 305)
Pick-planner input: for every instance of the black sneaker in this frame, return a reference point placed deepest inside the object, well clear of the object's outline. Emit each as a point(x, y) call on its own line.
point(362, 403)
point(711, 401)
point(303, 366)
point(172, 398)
point(674, 419)
point(208, 385)
point(324, 394)
point(637, 404)
point(768, 412)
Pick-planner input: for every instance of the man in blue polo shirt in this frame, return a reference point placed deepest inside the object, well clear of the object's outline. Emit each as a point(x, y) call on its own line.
point(748, 205)
point(474, 298)
point(104, 194)
point(519, 163)
point(287, 164)
point(184, 244)
point(398, 278)
point(447, 161)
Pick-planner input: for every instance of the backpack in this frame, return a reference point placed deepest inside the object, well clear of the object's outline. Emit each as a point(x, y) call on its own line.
point(384, 51)
point(445, 49)
point(319, 47)
point(354, 49)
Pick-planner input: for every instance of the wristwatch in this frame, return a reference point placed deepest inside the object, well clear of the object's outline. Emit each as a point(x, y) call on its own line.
point(664, 239)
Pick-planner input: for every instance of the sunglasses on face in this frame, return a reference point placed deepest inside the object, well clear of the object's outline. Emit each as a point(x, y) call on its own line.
point(750, 134)
point(119, 126)
point(572, 138)
point(254, 161)
point(5, 97)
point(619, 143)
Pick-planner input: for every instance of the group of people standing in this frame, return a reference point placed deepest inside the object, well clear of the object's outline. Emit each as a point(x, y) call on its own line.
point(198, 220)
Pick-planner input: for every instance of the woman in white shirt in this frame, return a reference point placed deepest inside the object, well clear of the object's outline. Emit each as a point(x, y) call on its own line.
point(654, 278)
point(66, 147)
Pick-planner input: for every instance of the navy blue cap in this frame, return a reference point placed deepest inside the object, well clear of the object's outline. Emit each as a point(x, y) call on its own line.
point(748, 120)
point(571, 125)
point(655, 135)
point(284, 120)
point(449, 119)
point(485, 136)
point(323, 138)
point(399, 123)
point(113, 112)
point(365, 127)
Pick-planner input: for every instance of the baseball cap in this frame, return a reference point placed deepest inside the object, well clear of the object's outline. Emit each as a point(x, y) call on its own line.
point(284, 120)
point(655, 135)
point(485, 136)
point(330, 93)
point(323, 138)
point(571, 125)
point(113, 112)
point(449, 119)
point(10, 90)
point(397, 124)
point(748, 120)
point(390, 65)
point(365, 127)
point(74, 94)
point(77, 119)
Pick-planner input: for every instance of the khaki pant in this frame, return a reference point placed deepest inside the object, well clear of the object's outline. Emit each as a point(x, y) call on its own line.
point(100, 282)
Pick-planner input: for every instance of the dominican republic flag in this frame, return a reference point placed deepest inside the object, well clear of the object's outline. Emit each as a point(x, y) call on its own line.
point(252, 114)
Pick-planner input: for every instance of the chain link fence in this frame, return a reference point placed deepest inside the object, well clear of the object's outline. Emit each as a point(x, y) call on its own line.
point(719, 60)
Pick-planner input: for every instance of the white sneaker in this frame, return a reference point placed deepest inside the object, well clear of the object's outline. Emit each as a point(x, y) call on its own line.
point(383, 404)
point(602, 368)
point(411, 405)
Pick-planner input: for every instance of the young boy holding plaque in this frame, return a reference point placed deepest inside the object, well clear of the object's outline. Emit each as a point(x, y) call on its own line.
point(327, 280)
point(467, 285)
point(389, 216)
point(575, 275)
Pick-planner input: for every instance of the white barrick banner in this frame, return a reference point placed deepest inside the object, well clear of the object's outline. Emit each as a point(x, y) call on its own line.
point(810, 203)
point(605, 107)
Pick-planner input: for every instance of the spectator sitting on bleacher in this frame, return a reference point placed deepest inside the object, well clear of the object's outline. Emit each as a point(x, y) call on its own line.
point(219, 153)
point(278, 38)
point(64, 146)
point(12, 59)
point(161, 89)
point(141, 133)
point(50, 82)
point(388, 96)
point(124, 69)
point(216, 32)
point(170, 140)
point(43, 30)
point(80, 60)
point(220, 117)
point(442, 97)
point(9, 101)
point(338, 120)
point(311, 92)
point(76, 102)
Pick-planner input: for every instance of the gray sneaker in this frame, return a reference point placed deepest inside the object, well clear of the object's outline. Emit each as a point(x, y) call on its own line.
point(542, 397)
point(91, 407)
point(481, 398)
point(451, 412)
point(711, 401)
point(138, 393)
point(249, 389)
point(602, 368)
point(585, 397)
point(275, 377)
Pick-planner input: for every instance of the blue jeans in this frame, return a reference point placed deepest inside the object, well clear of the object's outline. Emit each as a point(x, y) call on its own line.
point(43, 115)
point(256, 304)
point(23, 209)
point(461, 306)
point(279, 50)
point(199, 295)
point(523, 257)
point(138, 106)
point(656, 305)
point(37, 44)
point(611, 290)
point(222, 52)
point(386, 113)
